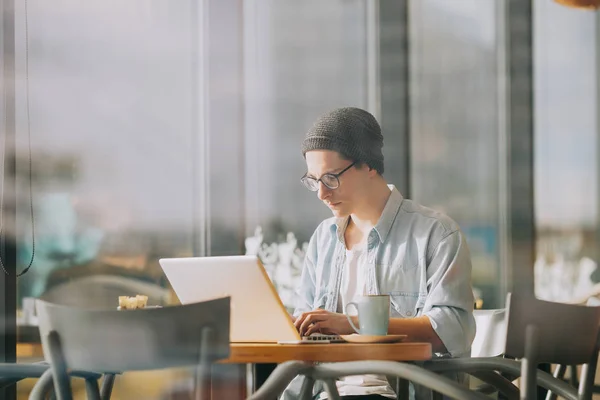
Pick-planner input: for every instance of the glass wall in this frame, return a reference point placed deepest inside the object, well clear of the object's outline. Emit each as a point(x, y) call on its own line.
point(175, 130)
point(306, 57)
point(302, 58)
point(108, 105)
point(108, 110)
point(162, 129)
point(456, 142)
point(566, 152)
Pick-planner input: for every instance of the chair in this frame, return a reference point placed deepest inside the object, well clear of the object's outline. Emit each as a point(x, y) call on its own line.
point(328, 373)
point(490, 334)
point(11, 373)
point(111, 342)
point(101, 291)
point(490, 341)
point(538, 332)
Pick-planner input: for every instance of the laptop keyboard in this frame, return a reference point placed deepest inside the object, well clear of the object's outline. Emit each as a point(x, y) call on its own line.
point(320, 336)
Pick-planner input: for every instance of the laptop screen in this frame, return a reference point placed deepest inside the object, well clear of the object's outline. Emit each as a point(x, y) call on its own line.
point(257, 313)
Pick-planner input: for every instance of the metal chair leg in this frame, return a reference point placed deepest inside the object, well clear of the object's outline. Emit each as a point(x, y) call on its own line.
point(307, 388)
point(43, 386)
point(62, 383)
point(92, 390)
point(331, 389)
point(108, 382)
point(203, 373)
point(573, 375)
point(529, 364)
point(559, 373)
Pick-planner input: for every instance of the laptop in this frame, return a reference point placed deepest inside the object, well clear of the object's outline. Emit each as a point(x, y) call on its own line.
point(257, 313)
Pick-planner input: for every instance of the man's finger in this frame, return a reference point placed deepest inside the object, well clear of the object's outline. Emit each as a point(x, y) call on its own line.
point(314, 328)
point(308, 321)
point(298, 321)
point(312, 320)
point(301, 323)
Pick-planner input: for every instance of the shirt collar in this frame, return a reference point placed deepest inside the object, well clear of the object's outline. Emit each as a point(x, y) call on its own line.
point(383, 226)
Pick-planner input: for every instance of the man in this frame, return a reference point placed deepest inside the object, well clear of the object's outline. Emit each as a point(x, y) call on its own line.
point(377, 242)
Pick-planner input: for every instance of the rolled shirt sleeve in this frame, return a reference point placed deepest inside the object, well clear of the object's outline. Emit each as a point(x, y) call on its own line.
point(449, 303)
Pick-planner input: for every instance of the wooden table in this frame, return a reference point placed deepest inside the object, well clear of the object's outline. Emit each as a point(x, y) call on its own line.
point(257, 354)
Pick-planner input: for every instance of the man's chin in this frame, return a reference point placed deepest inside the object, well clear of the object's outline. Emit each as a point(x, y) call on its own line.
point(338, 213)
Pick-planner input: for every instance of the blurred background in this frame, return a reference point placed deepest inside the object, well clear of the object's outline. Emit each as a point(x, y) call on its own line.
point(172, 129)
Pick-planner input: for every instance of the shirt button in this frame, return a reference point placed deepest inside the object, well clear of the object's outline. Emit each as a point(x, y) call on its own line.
point(408, 313)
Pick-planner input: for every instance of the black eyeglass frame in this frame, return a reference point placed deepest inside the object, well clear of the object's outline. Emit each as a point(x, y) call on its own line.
point(305, 179)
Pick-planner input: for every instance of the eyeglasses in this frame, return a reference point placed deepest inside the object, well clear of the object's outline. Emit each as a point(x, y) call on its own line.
point(332, 181)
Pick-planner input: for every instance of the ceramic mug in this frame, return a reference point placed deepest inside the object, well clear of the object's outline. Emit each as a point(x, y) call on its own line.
point(373, 314)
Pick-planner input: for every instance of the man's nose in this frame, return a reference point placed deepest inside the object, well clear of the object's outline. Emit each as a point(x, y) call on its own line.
point(324, 191)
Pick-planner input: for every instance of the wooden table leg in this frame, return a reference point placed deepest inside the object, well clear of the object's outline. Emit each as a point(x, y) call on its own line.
point(401, 389)
point(261, 373)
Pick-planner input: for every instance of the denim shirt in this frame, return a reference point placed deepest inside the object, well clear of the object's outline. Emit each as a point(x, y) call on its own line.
point(415, 254)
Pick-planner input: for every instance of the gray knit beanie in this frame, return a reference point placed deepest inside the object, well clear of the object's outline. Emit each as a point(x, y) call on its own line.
point(352, 132)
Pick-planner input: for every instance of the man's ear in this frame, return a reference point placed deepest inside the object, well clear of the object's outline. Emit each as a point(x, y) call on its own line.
point(372, 172)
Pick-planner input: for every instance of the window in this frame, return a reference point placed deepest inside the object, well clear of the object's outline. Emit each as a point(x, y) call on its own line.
point(566, 152)
point(455, 138)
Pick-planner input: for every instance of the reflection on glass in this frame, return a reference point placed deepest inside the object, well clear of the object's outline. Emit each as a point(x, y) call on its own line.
point(454, 135)
point(110, 134)
point(566, 156)
point(305, 58)
point(302, 60)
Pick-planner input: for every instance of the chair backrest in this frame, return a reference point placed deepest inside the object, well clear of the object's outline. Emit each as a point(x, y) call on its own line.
point(102, 291)
point(567, 333)
point(153, 338)
point(490, 334)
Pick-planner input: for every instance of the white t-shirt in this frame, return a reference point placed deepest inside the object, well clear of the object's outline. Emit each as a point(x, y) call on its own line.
point(354, 284)
point(354, 281)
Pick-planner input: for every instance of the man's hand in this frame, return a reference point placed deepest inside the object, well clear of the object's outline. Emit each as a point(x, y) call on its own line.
point(322, 321)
